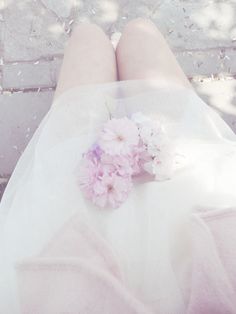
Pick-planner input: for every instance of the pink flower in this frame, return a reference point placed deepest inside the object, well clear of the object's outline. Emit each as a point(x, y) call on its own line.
point(119, 136)
point(125, 149)
point(103, 182)
point(138, 159)
point(111, 190)
point(89, 172)
point(94, 153)
point(119, 164)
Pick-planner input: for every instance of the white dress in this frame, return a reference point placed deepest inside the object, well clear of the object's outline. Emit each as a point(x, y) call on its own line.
point(150, 234)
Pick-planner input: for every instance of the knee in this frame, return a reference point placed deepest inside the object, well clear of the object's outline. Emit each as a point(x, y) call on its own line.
point(141, 25)
point(139, 22)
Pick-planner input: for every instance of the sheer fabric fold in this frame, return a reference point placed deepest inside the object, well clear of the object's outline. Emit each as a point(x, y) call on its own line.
point(168, 249)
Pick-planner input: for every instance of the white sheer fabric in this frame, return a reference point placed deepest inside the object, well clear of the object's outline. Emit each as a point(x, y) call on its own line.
point(150, 233)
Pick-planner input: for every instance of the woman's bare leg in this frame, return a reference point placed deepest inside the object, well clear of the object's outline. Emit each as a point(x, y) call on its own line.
point(89, 58)
point(143, 53)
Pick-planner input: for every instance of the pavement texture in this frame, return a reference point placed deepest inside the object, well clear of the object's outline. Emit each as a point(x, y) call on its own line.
point(33, 34)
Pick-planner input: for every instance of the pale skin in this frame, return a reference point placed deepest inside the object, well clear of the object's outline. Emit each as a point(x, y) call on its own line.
point(142, 53)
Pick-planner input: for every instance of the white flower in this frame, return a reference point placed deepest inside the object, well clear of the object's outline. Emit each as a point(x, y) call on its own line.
point(156, 144)
point(148, 129)
point(162, 163)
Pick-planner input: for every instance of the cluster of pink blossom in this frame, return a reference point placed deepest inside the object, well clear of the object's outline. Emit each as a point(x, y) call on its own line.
point(125, 148)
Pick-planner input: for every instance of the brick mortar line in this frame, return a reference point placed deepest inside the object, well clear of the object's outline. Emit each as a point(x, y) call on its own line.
point(210, 49)
point(59, 56)
point(213, 77)
point(38, 89)
point(41, 59)
point(27, 90)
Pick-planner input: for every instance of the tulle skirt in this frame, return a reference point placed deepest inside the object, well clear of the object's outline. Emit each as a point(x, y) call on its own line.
point(172, 243)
